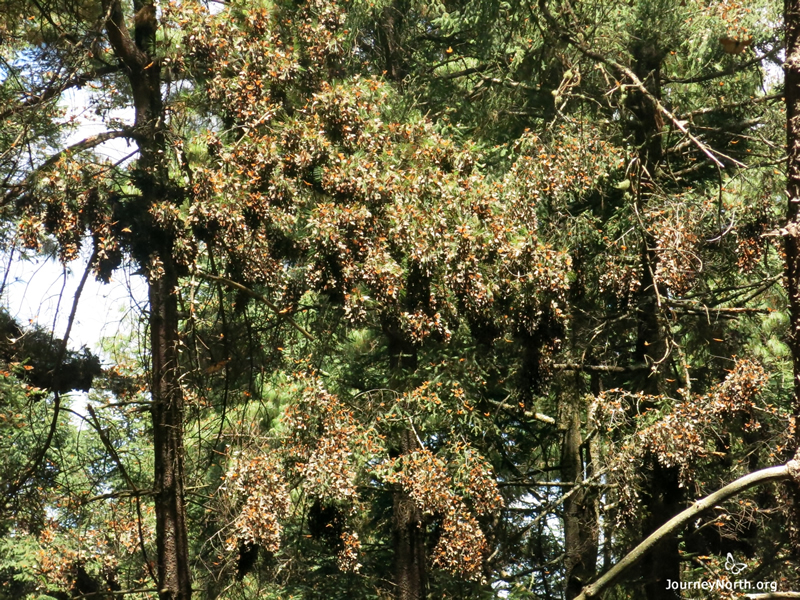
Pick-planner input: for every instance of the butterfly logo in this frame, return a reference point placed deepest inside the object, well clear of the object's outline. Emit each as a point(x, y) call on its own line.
point(732, 566)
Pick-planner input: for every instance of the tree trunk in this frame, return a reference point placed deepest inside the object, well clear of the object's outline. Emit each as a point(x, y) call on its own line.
point(408, 531)
point(663, 496)
point(174, 582)
point(409, 538)
point(580, 517)
point(792, 237)
point(664, 500)
point(152, 249)
point(388, 37)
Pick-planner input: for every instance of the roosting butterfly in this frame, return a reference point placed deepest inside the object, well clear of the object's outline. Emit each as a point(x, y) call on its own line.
point(733, 46)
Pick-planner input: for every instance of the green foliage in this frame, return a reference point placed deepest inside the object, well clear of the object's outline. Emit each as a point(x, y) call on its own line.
point(454, 261)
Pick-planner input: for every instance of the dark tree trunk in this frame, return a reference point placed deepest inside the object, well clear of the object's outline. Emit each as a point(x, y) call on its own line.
point(409, 538)
point(662, 491)
point(580, 517)
point(408, 532)
point(792, 91)
point(650, 340)
point(167, 412)
point(792, 237)
point(152, 249)
point(388, 34)
point(664, 500)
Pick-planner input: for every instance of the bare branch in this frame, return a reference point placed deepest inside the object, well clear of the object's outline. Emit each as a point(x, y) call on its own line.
point(764, 476)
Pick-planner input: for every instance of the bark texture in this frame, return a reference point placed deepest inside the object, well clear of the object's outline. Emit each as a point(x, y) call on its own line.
point(662, 492)
point(792, 235)
point(408, 531)
point(792, 243)
point(174, 580)
point(409, 538)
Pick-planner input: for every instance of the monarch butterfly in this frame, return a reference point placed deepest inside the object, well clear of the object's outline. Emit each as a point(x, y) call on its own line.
point(734, 46)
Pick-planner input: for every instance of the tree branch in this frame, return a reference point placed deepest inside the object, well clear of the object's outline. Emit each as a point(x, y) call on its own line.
point(105, 593)
point(599, 368)
point(136, 493)
point(90, 142)
point(528, 413)
point(710, 109)
point(86, 144)
point(36, 462)
point(52, 91)
point(117, 495)
point(770, 475)
point(624, 72)
point(725, 72)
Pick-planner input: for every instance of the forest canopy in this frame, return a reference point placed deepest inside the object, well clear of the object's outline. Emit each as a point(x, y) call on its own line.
point(469, 299)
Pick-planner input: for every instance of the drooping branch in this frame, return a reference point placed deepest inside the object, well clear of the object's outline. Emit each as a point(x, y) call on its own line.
point(88, 143)
point(764, 476)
